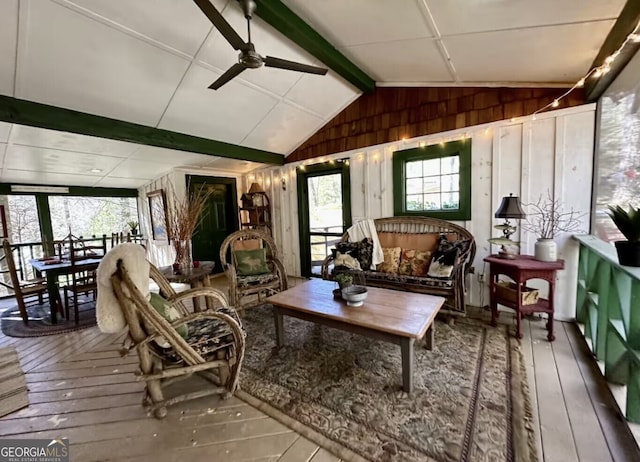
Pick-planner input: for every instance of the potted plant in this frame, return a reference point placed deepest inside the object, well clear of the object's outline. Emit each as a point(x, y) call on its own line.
point(134, 226)
point(628, 222)
point(546, 219)
point(344, 280)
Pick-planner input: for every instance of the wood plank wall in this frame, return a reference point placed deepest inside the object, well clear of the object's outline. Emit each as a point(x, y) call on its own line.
point(391, 114)
point(526, 157)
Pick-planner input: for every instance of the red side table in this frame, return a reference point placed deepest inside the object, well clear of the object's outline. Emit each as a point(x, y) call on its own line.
point(521, 269)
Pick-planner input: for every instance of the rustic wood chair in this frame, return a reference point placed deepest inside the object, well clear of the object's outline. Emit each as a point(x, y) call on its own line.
point(82, 277)
point(216, 341)
point(240, 286)
point(22, 289)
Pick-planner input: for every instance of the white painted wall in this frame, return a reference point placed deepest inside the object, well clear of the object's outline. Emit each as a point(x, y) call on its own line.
point(163, 254)
point(526, 157)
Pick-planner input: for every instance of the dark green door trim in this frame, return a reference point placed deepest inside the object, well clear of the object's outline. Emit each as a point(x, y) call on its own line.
point(44, 220)
point(624, 25)
point(293, 27)
point(23, 112)
point(303, 205)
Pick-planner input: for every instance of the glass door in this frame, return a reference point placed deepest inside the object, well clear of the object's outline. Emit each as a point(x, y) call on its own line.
point(324, 205)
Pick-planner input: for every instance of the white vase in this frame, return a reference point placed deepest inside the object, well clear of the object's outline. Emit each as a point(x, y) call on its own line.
point(546, 250)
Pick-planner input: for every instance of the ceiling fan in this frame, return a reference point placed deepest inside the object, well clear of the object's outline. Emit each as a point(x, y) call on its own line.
point(248, 58)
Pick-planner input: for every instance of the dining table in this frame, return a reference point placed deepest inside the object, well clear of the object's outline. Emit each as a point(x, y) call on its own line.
point(53, 268)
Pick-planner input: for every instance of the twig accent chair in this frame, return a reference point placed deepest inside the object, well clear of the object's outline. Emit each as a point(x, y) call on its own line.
point(215, 340)
point(252, 265)
point(22, 289)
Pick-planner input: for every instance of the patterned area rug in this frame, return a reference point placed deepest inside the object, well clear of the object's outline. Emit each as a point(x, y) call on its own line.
point(13, 385)
point(40, 320)
point(470, 402)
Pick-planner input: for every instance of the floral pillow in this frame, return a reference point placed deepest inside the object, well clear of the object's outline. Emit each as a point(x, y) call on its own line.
point(414, 262)
point(391, 260)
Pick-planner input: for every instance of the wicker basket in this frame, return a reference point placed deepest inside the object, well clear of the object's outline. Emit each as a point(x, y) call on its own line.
point(509, 291)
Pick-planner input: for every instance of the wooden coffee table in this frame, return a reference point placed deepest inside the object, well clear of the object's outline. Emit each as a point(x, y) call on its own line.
point(389, 315)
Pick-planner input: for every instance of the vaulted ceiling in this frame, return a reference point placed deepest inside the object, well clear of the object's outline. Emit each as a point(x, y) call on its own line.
point(150, 61)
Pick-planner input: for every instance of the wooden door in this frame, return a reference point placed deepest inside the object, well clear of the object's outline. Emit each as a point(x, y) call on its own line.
point(219, 219)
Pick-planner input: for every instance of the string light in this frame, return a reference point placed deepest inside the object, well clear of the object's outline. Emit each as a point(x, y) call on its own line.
point(596, 72)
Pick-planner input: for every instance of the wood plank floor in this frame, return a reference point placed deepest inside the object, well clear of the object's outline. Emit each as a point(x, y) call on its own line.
point(82, 389)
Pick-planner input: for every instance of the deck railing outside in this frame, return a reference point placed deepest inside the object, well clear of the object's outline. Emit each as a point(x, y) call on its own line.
point(608, 305)
point(322, 240)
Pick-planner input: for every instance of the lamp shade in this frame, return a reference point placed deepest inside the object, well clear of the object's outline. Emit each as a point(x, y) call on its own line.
point(510, 208)
point(255, 187)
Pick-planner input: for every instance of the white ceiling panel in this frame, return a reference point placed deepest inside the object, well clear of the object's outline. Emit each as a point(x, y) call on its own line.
point(523, 55)
point(3, 148)
point(47, 178)
point(171, 156)
point(8, 43)
point(222, 163)
point(5, 128)
point(133, 168)
point(51, 160)
point(160, 20)
point(227, 115)
point(219, 53)
point(490, 15)
point(402, 61)
point(115, 182)
point(325, 95)
point(65, 141)
point(72, 61)
point(357, 22)
point(285, 127)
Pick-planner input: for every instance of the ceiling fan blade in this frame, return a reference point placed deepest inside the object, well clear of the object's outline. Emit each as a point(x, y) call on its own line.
point(270, 61)
point(224, 78)
point(221, 24)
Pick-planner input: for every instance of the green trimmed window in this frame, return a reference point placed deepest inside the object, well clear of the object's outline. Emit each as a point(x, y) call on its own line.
point(433, 181)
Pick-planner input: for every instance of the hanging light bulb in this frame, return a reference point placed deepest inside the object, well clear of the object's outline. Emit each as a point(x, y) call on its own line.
point(580, 83)
point(555, 103)
point(635, 38)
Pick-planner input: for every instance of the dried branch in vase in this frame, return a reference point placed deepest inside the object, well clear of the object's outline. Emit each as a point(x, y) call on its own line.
point(184, 216)
point(546, 218)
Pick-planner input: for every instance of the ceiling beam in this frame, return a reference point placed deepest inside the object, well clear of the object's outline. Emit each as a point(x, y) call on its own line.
point(23, 112)
point(625, 24)
point(281, 18)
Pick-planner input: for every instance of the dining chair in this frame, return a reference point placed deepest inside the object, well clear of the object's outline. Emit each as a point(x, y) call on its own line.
point(82, 277)
point(22, 289)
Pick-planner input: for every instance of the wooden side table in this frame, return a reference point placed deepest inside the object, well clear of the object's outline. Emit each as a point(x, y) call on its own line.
point(521, 269)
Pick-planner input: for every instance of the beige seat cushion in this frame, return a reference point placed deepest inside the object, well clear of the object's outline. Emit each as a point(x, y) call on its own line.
point(247, 244)
point(425, 241)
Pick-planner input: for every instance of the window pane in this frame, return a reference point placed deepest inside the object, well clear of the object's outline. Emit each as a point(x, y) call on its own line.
point(450, 183)
point(325, 202)
point(450, 201)
point(414, 186)
point(414, 169)
point(91, 216)
point(432, 184)
point(431, 167)
point(450, 164)
point(414, 202)
point(432, 202)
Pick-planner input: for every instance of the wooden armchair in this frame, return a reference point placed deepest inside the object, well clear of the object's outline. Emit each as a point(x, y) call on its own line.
point(271, 280)
point(22, 289)
point(215, 340)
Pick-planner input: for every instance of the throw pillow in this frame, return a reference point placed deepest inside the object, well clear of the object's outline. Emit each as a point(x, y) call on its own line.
point(391, 260)
point(439, 270)
point(251, 262)
point(168, 312)
point(346, 260)
point(361, 250)
point(406, 257)
point(420, 263)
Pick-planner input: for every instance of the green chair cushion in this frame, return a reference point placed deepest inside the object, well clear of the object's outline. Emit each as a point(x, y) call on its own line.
point(168, 312)
point(251, 262)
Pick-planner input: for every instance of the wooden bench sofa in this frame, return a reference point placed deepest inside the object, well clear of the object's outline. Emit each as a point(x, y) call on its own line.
point(414, 232)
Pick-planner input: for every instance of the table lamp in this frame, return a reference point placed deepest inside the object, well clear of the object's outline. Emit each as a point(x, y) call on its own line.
point(509, 209)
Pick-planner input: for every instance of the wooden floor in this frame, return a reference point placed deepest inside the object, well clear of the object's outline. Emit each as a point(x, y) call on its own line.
point(80, 388)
